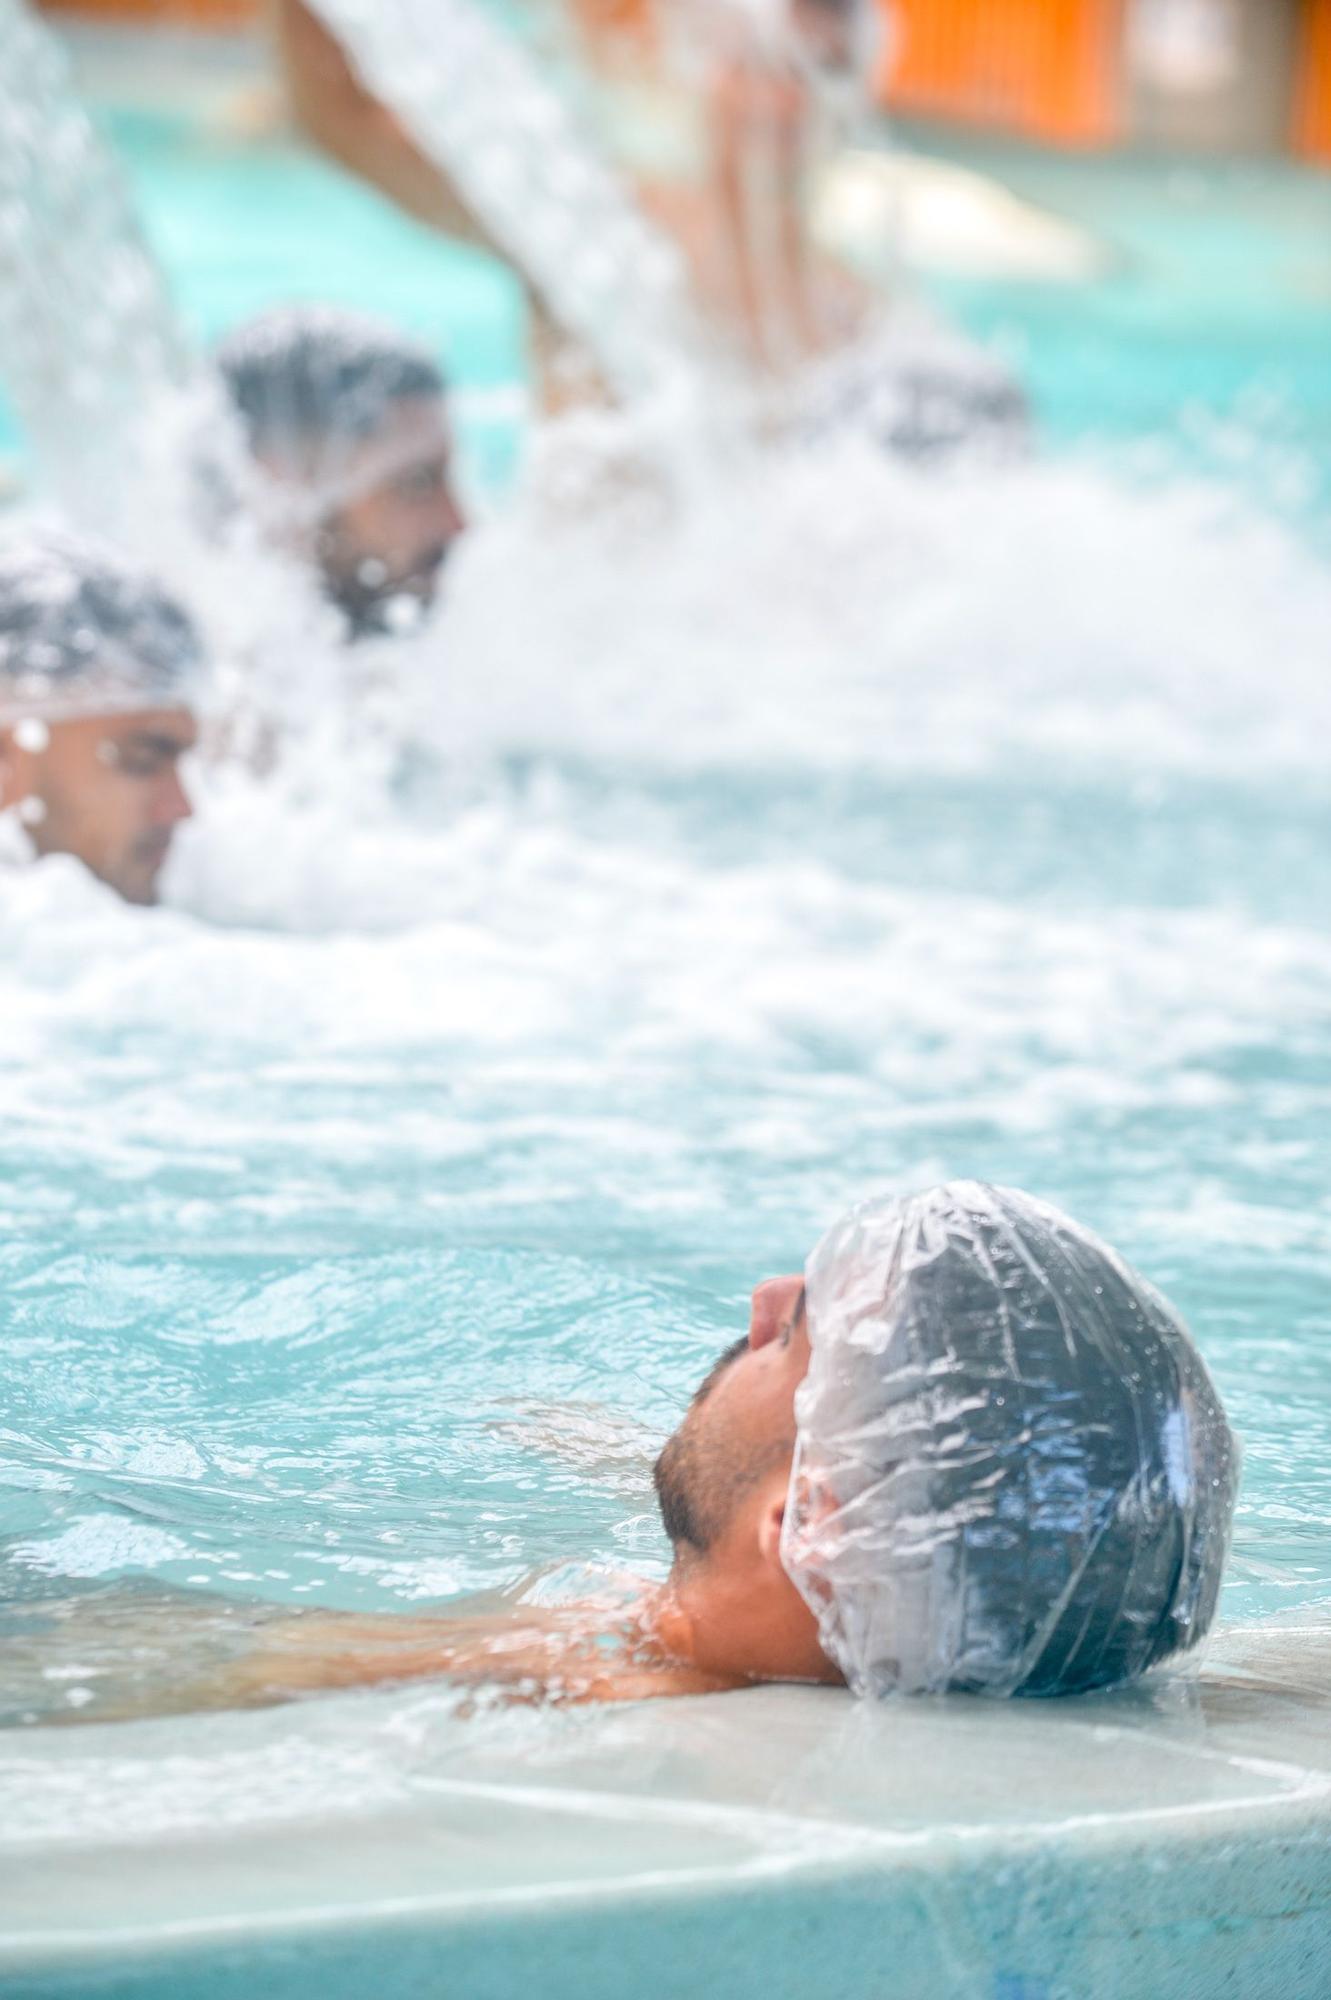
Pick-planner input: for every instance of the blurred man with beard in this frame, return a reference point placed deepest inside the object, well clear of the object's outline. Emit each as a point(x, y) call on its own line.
point(348, 425)
point(99, 670)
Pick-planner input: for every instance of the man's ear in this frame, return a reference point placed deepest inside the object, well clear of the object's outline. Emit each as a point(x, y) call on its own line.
point(770, 1519)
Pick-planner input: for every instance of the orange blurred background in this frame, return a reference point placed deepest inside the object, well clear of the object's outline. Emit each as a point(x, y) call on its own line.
point(1055, 71)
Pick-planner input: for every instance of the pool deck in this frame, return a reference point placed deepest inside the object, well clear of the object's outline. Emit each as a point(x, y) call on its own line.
point(1171, 1842)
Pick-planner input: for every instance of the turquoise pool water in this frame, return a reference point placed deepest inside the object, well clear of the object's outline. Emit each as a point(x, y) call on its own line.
point(310, 231)
point(1207, 332)
point(368, 1213)
point(1203, 342)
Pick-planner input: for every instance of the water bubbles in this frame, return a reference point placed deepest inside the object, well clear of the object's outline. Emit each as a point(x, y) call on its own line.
point(32, 735)
point(86, 328)
point(404, 613)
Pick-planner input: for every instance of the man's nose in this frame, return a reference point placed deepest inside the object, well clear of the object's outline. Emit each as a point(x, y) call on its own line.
point(452, 520)
point(174, 802)
point(773, 1302)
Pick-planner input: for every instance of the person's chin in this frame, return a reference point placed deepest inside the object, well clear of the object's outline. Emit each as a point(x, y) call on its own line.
point(425, 584)
point(139, 888)
point(138, 882)
point(131, 886)
point(379, 614)
point(422, 582)
point(419, 589)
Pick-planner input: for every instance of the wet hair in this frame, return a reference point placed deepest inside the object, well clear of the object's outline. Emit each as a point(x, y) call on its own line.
point(302, 372)
point(680, 1515)
point(83, 630)
point(1014, 1473)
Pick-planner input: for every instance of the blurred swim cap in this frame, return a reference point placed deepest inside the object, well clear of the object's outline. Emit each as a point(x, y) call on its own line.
point(85, 632)
point(1013, 1474)
point(308, 373)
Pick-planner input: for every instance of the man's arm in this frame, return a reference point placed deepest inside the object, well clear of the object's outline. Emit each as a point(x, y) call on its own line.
point(331, 104)
point(576, 1654)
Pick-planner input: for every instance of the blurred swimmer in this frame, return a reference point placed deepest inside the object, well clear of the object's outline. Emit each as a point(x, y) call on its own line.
point(792, 81)
point(99, 672)
point(725, 113)
point(970, 1450)
point(347, 420)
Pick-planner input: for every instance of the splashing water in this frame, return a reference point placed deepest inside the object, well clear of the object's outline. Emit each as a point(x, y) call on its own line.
point(861, 828)
point(367, 1214)
point(92, 351)
point(465, 88)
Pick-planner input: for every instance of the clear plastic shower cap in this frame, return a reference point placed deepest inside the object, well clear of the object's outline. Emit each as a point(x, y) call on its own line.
point(1013, 1474)
point(84, 632)
point(313, 374)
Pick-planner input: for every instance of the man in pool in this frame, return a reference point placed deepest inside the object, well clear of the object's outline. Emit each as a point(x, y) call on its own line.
point(970, 1450)
point(348, 425)
point(99, 668)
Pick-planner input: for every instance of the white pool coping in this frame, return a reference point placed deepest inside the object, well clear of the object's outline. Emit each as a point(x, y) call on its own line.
point(783, 1842)
point(884, 208)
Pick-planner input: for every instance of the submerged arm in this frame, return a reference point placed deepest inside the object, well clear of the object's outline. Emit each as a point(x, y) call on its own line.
point(573, 1655)
point(168, 1652)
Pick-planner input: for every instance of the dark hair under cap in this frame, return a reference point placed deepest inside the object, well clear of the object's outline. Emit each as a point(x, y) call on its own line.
point(1014, 1474)
point(82, 628)
point(321, 371)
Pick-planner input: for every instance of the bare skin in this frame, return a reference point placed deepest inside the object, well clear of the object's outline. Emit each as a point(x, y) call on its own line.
point(727, 1617)
point(729, 1608)
point(743, 227)
point(331, 104)
point(743, 232)
point(587, 1653)
point(106, 789)
point(385, 510)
